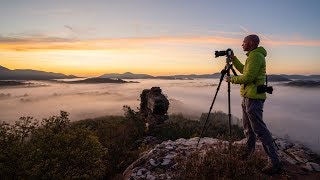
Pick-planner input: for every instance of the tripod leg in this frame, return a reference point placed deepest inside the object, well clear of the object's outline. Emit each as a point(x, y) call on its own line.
point(223, 72)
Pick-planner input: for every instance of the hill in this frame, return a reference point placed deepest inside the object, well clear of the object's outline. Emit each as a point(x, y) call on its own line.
point(28, 74)
point(271, 78)
point(277, 78)
point(300, 77)
point(12, 83)
point(97, 80)
point(127, 75)
point(304, 83)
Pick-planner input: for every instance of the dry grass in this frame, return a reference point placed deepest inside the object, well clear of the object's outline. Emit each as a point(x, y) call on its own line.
point(222, 164)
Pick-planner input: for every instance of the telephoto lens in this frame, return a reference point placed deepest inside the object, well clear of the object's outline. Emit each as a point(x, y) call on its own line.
point(220, 53)
point(227, 52)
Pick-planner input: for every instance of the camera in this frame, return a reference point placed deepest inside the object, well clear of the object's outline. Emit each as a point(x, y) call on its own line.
point(227, 52)
point(265, 88)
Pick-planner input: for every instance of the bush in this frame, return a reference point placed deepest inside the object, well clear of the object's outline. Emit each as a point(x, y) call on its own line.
point(119, 135)
point(178, 126)
point(49, 151)
point(93, 148)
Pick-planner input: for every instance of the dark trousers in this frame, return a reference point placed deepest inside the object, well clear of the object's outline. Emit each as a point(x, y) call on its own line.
point(254, 127)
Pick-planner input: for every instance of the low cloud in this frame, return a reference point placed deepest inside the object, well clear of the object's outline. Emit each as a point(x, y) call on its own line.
point(32, 43)
point(285, 116)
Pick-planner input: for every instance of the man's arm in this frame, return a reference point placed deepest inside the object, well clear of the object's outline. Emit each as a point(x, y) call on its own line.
point(237, 64)
point(253, 66)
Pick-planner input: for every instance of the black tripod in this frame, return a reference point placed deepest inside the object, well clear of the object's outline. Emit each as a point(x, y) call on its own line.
point(226, 70)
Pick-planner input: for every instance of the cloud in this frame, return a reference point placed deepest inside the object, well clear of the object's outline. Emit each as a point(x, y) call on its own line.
point(68, 27)
point(42, 42)
point(246, 30)
point(56, 43)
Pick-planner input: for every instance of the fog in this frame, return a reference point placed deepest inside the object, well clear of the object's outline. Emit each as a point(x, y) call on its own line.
point(288, 112)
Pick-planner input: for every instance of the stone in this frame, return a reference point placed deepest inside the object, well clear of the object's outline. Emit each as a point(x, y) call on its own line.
point(166, 158)
point(169, 147)
point(150, 177)
point(153, 162)
point(170, 156)
point(165, 162)
point(287, 158)
point(315, 166)
point(307, 167)
point(153, 106)
point(299, 154)
point(283, 144)
point(141, 171)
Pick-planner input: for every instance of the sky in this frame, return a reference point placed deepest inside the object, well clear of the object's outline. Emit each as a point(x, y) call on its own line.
point(156, 37)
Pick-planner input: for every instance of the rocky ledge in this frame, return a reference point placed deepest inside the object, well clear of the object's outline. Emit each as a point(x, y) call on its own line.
point(162, 161)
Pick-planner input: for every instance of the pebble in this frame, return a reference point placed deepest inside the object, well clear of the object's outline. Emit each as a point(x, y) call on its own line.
point(165, 162)
point(153, 162)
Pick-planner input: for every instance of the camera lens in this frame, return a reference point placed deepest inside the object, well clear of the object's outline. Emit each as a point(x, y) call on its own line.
point(220, 53)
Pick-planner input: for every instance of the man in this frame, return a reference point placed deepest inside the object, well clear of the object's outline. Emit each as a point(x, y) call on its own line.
point(254, 71)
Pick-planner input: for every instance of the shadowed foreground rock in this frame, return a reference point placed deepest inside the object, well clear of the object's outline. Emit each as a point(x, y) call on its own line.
point(153, 106)
point(164, 160)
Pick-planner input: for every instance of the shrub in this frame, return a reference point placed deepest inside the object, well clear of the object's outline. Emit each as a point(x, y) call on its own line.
point(119, 135)
point(178, 126)
point(49, 151)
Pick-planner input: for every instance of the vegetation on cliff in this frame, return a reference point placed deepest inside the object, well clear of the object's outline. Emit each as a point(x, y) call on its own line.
point(101, 147)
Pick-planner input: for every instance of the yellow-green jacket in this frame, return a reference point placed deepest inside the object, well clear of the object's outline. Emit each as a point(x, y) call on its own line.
point(254, 71)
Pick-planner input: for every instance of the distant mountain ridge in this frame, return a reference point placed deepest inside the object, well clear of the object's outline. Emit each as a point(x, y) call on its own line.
point(129, 75)
point(301, 77)
point(28, 74)
point(271, 78)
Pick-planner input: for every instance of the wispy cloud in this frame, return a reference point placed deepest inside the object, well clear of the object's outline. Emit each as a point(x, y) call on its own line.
point(55, 43)
point(28, 43)
point(246, 30)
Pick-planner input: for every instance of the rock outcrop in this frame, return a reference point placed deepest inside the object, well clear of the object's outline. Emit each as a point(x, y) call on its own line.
point(153, 106)
point(162, 161)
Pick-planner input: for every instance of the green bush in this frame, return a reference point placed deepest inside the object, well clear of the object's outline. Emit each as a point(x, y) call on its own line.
point(49, 151)
point(95, 148)
point(119, 135)
point(178, 126)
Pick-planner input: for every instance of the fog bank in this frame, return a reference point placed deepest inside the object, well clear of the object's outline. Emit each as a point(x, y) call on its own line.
point(290, 112)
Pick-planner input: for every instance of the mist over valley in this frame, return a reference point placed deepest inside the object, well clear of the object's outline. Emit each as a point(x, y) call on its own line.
point(290, 111)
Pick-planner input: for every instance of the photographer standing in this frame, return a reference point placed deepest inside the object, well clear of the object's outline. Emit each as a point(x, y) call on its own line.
point(253, 74)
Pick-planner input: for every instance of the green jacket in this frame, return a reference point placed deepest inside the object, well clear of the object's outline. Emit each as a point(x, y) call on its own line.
point(254, 72)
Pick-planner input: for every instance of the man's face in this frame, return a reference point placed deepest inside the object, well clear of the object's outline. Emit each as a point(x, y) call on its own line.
point(246, 45)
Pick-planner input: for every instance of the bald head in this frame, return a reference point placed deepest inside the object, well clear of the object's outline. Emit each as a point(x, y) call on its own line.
point(250, 42)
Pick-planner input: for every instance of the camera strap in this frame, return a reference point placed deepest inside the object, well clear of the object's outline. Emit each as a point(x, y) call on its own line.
point(266, 79)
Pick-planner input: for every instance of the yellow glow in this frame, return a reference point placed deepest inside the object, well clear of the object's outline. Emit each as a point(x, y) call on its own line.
point(155, 56)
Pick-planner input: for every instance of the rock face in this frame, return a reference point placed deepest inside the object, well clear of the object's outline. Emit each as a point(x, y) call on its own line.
point(162, 161)
point(153, 106)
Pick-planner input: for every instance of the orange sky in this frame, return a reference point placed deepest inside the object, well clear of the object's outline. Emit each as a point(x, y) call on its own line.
point(164, 55)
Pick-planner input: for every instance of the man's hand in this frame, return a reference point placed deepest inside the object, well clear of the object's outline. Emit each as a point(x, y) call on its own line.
point(228, 79)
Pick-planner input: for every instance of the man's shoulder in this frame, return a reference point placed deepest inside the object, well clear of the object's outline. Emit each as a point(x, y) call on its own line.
point(259, 51)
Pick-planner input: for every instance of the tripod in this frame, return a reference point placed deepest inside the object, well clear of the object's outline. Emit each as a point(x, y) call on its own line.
point(226, 70)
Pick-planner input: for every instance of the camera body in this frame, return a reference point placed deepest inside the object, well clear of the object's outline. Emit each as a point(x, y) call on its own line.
point(264, 88)
point(227, 53)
